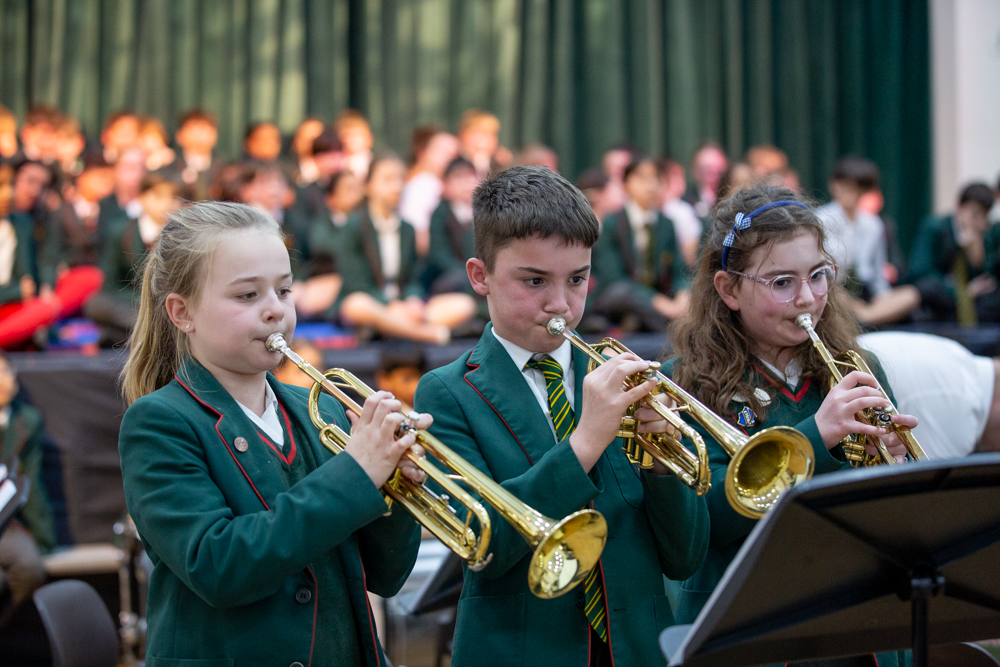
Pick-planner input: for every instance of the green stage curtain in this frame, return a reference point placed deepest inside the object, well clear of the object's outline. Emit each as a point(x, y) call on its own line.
point(818, 78)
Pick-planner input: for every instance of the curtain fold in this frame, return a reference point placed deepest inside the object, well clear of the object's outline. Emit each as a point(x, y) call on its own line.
point(820, 79)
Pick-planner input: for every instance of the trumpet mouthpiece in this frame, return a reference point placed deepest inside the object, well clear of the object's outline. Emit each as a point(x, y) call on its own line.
point(804, 321)
point(556, 326)
point(275, 342)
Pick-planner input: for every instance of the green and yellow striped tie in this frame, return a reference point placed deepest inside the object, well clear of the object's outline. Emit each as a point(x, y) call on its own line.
point(563, 421)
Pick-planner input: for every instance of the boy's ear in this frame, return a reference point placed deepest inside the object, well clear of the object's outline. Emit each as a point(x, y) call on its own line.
point(477, 276)
point(177, 311)
point(725, 285)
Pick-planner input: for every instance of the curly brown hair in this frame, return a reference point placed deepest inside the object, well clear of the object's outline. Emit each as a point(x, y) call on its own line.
point(716, 354)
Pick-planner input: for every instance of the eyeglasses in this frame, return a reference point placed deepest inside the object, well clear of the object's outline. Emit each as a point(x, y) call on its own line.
point(784, 288)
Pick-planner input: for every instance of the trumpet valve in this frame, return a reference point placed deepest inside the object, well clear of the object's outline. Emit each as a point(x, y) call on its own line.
point(627, 429)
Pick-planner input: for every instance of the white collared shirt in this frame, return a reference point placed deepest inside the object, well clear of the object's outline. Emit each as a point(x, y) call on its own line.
point(268, 422)
point(563, 355)
point(640, 220)
point(857, 244)
point(389, 252)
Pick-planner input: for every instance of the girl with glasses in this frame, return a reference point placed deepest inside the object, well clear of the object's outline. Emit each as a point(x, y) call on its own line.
point(741, 353)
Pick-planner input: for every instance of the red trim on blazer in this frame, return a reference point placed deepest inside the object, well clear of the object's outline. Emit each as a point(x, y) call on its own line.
point(797, 396)
point(262, 502)
point(466, 376)
point(607, 607)
point(291, 436)
point(221, 416)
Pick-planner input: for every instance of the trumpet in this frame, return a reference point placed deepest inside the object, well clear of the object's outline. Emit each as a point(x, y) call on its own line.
point(763, 466)
point(564, 551)
point(854, 444)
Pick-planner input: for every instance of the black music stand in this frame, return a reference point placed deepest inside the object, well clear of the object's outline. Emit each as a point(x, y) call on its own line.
point(847, 564)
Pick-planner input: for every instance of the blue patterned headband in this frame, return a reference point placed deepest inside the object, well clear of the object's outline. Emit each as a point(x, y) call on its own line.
point(743, 222)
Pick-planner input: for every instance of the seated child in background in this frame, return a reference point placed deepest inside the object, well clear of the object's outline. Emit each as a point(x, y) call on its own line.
point(707, 168)
point(302, 145)
point(262, 142)
point(69, 145)
point(593, 183)
point(153, 141)
point(642, 281)
point(318, 293)
point(355, 135)
point(452, 231)
point(197, 134)
point(121, 132)
point(32, 531)
point(955, 261)
point(433, 151)
point(857, 241)
point(289, 373)
point(479, 142)
point(686, 222)
point(378, 263)
point(8, 136)
point(115, 306)
point(399, 373)
point(123, 203)
point(327, 159)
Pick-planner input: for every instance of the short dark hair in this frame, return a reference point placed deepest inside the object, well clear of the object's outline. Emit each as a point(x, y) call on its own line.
point(592, 179)
point(977, 193)
point(197, 115)
point(379, 158)
point(529, 201)
point(156, 179)
point(326, 142)
point(24, 163)
point(456, 164)
point(639, 159)
point(406, 357)
point(858, 171)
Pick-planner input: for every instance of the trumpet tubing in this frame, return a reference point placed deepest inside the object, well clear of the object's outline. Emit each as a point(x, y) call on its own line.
point(762, 468)
point(565, 551)
point(854, 445)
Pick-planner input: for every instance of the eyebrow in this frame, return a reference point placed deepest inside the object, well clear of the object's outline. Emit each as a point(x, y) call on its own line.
point(256, 279)
point(543, 272)
point(789, 272)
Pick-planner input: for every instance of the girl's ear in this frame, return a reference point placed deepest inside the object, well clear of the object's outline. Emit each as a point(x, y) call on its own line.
point(725, 285)
point(178, 312)
point(477, 276)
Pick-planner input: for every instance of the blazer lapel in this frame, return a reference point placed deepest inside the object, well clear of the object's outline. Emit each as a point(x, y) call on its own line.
point(369, 239)
point(500, 384)
point(257, 463)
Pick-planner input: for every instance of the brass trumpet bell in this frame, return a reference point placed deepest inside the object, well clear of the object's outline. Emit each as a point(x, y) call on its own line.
point(763, 466)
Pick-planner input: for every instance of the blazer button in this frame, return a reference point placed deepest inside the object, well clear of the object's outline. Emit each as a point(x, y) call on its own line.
point(241, 444)
point(296, 664)
point(303, 595)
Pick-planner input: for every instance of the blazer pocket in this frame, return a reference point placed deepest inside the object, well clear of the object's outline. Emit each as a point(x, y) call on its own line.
point(626, 476)
point(194, 662)
point(490, 631)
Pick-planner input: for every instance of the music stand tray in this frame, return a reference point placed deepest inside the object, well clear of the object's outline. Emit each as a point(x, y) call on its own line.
point(858, 562)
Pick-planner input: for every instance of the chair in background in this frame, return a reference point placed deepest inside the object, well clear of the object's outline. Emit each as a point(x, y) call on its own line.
point(80, 628)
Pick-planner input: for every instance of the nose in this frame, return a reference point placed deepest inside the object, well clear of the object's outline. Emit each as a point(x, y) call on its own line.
point(272, 310)
point(804, 296)
point(557, 302)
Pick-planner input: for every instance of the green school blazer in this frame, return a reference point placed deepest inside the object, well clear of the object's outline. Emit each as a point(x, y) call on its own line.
point(235, 553)
point(361, 265)
point(21, 441)
point(728, 528)
point(616, 258)
point(486, 412)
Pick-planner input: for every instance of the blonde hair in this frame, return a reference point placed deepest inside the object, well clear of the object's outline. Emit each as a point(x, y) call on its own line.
point(178, 264)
